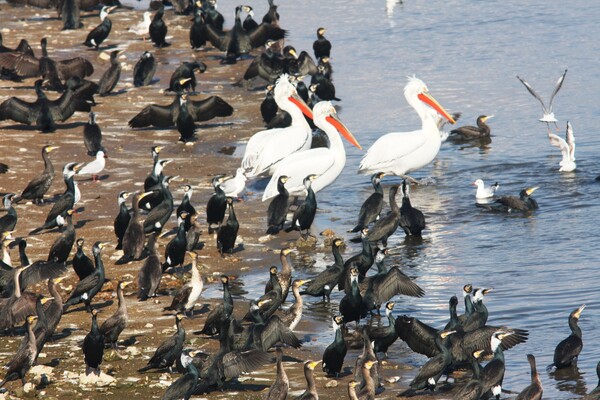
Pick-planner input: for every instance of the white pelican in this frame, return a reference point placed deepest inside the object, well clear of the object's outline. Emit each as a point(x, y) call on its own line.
point(326, 163)
point(398, 153)
point(484, 192)
point(94, 167)
point(548, 113)
point(567, 148)
point(267, 148)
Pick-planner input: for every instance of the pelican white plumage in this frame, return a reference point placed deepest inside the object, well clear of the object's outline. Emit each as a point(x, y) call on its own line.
point(484, 192)
point(267, 148)
point(326, 163)
point(142, 28)
point(548, 112)
point(94, 167)
point(399, 153)
point(234, 185)
point(567, 148)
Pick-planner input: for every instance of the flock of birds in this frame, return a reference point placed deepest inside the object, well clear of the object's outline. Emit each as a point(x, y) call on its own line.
point(285, 152)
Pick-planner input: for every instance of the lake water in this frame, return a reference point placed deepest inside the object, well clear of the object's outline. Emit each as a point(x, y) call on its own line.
point(541, 266)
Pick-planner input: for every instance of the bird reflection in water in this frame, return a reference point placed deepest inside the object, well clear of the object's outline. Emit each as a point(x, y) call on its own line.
point(569, 379)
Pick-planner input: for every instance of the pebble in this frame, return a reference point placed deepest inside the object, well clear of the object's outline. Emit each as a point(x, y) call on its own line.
point(331, 384)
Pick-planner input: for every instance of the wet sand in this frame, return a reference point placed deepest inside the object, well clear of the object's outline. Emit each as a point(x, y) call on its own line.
point(129, 162)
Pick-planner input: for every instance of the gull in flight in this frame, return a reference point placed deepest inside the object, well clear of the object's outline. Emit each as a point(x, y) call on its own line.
point(548, 113)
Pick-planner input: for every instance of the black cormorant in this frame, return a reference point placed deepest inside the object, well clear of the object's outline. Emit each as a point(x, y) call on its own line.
point(109, 79)
point(186, 297)
point(122, 219)
point(568, 350)
point(334, 354)
point(351, 305)
point(144, 70)
point(198, 30)
point(112, 327)
point(431, 371)
point(176, 248)
point(321, 46)
point(169, 350)
point(278, 208)
point(65, 202)
point(158, 29)
point(9, 220)
point(157, 217)
point(285, 276)
point(311, 388)
point(166, 116)
point(151, 271)
point(371, 208)
point(412, 220)
point(492, 374)
point(323, 284)
point(23, 360)
point(88, 287)
point(513, 203)
point(185, 121)
point(534, 391)
point(305, 213)
point(61, 248)
point(92, 135)
point(384, 336)
point(216, 206)
point(93, 347)
point(183, 387)
point(292, 316)
point(221, 311)
point(387, 225)
point(39, 185)
point(186, 205)
point(100, 32)
point(70, 15)
point(281, 385)
point(228, 232)
point(472, 132)
point(133, 237)
point(186, 71)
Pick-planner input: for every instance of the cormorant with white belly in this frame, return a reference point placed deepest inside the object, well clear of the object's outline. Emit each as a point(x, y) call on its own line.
point(100, 32)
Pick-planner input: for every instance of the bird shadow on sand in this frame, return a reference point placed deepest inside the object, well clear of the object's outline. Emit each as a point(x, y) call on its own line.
point(96, 306)
point(81, 223)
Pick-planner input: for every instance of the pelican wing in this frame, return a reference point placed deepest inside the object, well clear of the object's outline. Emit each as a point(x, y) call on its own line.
point(557, 87)
point(298, 166)
point(389, 149)
point(268, 152)
point(533, 93)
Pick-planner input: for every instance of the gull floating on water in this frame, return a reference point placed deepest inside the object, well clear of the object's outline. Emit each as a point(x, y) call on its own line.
point(484, 192)
point(548, 112)
point(567, 148)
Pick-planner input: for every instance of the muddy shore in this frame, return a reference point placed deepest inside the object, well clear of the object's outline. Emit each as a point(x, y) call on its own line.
point(128, 163)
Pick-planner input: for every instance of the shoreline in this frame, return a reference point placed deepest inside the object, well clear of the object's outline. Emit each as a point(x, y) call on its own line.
point(128, 163)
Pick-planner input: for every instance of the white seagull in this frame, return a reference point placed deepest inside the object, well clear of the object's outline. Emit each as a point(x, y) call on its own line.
point(267, 148)
point(548, 112)
point(142, 28)
point(567, 148)
point(399, 153)
point(94, 167)
point(326, 163)
point(484, 192)
point(234, 185)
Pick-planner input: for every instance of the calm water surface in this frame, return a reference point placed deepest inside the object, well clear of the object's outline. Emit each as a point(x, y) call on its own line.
point(541, 266)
